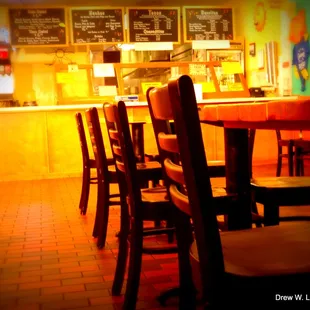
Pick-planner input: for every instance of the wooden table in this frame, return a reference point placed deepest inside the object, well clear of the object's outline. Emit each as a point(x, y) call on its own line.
point(236, 120)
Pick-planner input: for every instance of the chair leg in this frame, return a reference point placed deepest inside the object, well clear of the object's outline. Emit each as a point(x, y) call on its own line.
point(170, 224)
point(104, 206)
point(279, 166)
point(290, 160)
point(187, 299)
point(302, 168)
point(271, 214)
point(297, 161)
point(256, 218)
point(98, 218)
point(122, 249)
point(85, 191)
point(157, 224)
point(186, 292)
point(173, 292)
point(134, 268)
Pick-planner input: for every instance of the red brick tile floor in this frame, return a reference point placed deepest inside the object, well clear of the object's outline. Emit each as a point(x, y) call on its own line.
point(49, 260)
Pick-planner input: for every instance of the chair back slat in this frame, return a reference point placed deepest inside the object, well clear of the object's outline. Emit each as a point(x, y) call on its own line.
point(119, 133)
point(160, 110)
point(82, 137)
point(120, 166)
point(168, 143)
point(180, 200)
point(96, 138)
point(117, 149)
point(113, 134)
point(174, 172)
point(162, 121)
point(180, 101)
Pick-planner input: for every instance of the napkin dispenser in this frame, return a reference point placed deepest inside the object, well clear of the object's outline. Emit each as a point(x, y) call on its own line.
point(256, 92)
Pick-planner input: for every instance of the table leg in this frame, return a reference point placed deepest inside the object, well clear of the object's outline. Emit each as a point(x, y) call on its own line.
point(238, 177)
point(138, 141)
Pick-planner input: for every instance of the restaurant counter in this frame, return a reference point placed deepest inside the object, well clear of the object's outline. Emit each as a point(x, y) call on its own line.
point(42, 141)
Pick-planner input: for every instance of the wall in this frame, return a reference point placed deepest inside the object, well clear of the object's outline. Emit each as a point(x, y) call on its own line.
point(35, 76)
point(302, 4)
point(32, 67)
point(273, 30)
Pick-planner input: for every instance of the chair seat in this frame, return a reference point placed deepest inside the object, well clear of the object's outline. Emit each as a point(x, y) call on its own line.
point(156, 204)
point(304, 144)
point(281, 182)
point(272, 251)
point(282, 191)
point(149, 165)
point(150, 170)
point(216, 168)
point(223, 201)
point(283, 142)
point(154, 194)
point(216, 163)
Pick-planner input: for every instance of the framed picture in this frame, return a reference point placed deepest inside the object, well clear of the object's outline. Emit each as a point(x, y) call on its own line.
point(260, 59)
point(252, 49)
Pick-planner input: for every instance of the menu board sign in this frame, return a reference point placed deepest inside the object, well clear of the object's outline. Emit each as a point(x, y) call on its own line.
point(205, 23)
point(97, 25)
point(154, 24)
point(38, 26)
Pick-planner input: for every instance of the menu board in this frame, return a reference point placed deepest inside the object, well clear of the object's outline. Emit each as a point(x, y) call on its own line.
point(205, 23)
point(97, 25)
point(154, 24)
point(38, 26)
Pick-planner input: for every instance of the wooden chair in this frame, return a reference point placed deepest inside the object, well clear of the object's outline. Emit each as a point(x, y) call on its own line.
point(231, 268)
point(302, 153)
point(289, 144)
point(88, 164)
point(149, 204)
point(217, 167)
point(165, 125)
point(273, 192)
point(106, 174)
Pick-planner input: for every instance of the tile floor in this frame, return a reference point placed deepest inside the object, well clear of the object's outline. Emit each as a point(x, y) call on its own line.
point(49, 260)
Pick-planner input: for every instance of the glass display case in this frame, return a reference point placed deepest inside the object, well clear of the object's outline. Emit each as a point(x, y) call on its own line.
point(211, 79)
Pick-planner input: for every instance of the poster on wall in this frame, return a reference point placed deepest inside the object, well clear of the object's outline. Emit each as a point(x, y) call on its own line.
point(207, 23)
point(38, 27)
point(299, 37)
point(151, 24)
point(97, 25)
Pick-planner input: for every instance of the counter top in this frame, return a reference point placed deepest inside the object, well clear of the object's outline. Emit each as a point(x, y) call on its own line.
point(135, 104)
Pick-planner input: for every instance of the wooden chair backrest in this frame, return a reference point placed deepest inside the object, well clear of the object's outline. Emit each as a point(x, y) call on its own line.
point(177, 101)
point(123, 153)
point(96, 139)
point(161, 125)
